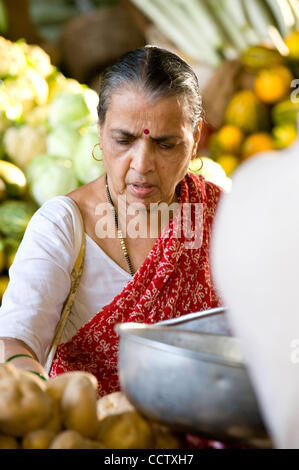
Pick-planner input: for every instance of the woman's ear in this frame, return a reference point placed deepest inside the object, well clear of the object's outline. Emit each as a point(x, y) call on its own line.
point(197, 135)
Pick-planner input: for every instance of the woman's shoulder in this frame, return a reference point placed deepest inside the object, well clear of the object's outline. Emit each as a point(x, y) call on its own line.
point(59, 210)
point(59, 220)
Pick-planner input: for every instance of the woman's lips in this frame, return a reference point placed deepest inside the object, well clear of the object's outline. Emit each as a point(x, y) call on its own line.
point(141, 190)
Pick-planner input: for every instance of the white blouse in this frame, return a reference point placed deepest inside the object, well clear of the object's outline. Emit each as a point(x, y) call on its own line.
point(40, 278)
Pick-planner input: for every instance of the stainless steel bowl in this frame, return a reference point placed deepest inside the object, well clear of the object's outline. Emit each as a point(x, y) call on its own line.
point(189, 374)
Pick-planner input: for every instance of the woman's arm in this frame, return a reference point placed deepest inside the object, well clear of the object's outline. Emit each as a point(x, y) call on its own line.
point(10, 347)
point(39, 284)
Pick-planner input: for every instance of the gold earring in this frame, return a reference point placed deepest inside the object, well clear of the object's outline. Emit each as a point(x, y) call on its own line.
point(202, 164)
point(96, 159)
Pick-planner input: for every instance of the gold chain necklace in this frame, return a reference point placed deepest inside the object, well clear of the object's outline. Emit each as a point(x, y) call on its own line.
point(119, 232)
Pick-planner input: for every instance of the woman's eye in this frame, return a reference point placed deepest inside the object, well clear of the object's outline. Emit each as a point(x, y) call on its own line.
point(123, 142)
point(166, 146)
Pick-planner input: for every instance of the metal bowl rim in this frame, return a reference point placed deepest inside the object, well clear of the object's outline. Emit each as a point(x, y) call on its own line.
point(217, 311)
point(125, 330)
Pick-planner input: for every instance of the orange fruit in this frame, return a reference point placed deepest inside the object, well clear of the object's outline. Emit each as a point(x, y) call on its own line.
point(229, 163)
point(284, 135)
point(256, 143)
point(229, 139)
point(248, 112)
point(273, 85)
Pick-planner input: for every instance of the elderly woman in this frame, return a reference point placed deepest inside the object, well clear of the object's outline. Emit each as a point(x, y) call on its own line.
point(150, 119)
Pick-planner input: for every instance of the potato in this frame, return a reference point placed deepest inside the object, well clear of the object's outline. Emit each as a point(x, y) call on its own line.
point(8, 442)
point(68, 440)
point(39, 439)
point(55, 422)
point(24, 406)
point(112, 404)
point(73, 440)
point(126, 431)
point(92, 444)
point(79, 406)
point(56, 386)
point(164, 438)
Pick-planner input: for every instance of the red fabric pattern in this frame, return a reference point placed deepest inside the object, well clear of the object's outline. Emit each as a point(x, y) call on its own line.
point(173, 281)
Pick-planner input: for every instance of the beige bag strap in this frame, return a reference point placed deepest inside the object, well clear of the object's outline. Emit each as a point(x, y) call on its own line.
point(75, 279)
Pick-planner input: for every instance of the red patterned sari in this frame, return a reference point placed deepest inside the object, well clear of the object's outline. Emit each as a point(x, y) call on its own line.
point(174, 280)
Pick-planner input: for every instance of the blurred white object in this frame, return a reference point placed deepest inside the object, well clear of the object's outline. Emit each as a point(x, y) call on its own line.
point(255, 265)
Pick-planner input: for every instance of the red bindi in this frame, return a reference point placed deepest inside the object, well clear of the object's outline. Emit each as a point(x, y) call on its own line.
point(146, 131)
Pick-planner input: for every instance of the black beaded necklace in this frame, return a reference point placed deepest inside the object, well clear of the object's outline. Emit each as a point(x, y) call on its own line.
point(119, 232)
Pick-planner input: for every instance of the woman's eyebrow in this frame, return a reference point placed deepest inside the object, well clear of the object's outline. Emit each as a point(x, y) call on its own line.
point(123, 132)
point(162, 138)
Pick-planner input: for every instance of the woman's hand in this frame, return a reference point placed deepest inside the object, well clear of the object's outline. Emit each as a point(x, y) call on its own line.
point(10, 347)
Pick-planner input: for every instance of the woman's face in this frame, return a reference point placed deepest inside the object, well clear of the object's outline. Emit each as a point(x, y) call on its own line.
point(146, 167)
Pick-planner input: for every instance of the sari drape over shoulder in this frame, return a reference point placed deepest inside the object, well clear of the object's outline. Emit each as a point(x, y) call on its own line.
point(174, 280)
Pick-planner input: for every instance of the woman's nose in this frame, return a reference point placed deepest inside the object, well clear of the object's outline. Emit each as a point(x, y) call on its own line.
point(143, 159)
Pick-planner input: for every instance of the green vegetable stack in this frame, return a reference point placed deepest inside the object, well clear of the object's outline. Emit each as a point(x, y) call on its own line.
point(47, 133)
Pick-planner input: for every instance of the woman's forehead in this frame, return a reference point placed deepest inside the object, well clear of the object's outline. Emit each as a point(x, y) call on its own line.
point(133, 108)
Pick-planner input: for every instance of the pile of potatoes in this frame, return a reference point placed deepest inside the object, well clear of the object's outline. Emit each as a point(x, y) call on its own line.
point(65, 413)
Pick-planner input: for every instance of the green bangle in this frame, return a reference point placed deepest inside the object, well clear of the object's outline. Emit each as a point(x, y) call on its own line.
point(39, 375)
point(18, 355)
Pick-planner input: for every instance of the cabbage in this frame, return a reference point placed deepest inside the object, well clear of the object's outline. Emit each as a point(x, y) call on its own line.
point(24, 143)
point(62, 141)
point(37, 58)
point(85, 167)
point(60, 85)
point(12, 59)
point(28, 89)
point(37, 116)
point(50, 176)
point(69, 108)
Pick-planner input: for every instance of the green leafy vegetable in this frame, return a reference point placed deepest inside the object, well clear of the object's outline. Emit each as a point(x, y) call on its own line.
point(50, 177)
point(85, 167)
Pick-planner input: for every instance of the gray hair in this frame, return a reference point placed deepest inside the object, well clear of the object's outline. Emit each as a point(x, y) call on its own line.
point(159, 72)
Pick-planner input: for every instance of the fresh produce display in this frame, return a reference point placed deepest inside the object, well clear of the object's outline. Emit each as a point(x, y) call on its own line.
point(47, 133)
point(262, 115)
point(66, 413)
